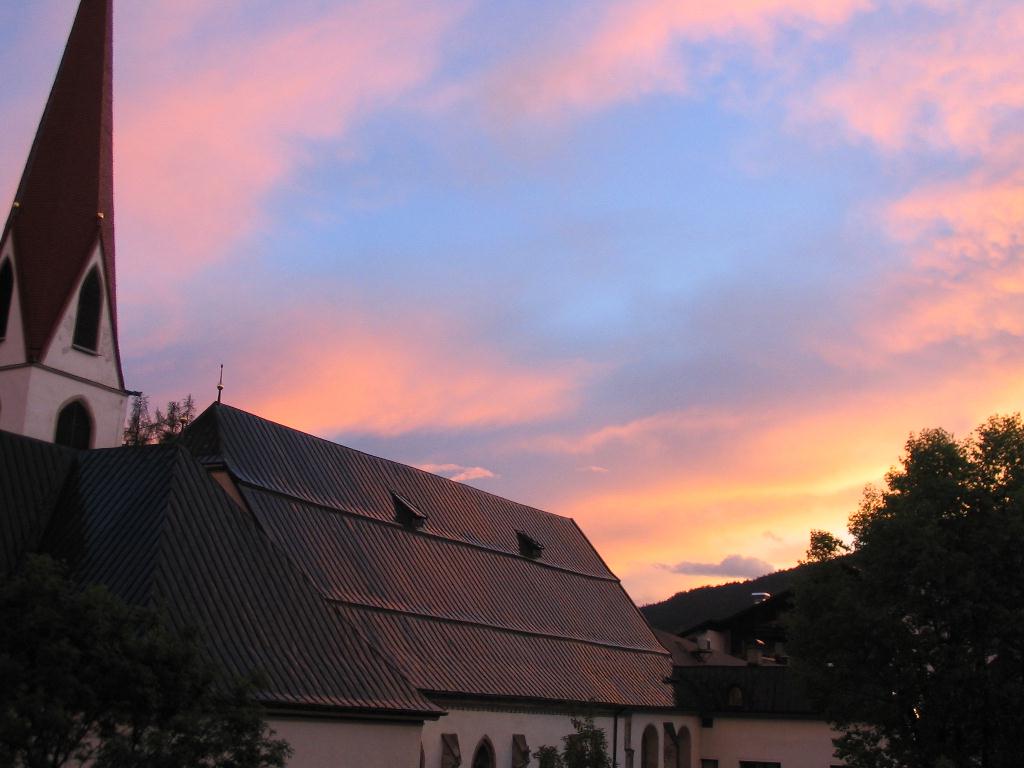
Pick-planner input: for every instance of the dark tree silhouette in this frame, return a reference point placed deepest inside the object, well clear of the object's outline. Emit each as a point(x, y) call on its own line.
point(914, 642)
point(90, 680)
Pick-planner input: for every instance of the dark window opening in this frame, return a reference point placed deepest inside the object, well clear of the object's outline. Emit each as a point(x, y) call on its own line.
point(406, 512)
point(735, 697)
point(758, 764)
point(6, 295)
point(74, 427)
point(529, 546)
point(484, 755)
point(649, 748)
point(87, 320)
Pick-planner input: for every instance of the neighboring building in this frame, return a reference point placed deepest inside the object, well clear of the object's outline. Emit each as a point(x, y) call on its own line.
point(400, 618)
point(755, 634)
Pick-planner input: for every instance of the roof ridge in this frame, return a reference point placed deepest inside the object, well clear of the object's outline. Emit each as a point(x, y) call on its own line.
point(501, 628)
point(611, 578)
point(392, 461)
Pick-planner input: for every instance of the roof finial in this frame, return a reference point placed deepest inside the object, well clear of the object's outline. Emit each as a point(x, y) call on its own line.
point(220, 384)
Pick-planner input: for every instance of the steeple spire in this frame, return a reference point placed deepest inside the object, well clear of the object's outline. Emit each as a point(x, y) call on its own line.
point(60, 365)
point(65, 201)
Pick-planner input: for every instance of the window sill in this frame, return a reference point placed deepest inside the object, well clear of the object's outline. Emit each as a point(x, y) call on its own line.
point(85, 350)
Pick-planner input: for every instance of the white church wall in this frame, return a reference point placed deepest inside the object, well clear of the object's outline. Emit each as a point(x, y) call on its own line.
point(14, 386)
point(793, 743)
point(541, 728)
point(49, 391)
point(63, 355)
point(322, 743)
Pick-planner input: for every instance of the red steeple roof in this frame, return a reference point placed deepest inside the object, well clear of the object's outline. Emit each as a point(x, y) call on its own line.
point(65, 201)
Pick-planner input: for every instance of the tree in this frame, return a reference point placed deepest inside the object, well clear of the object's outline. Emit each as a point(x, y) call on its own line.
point(141, 429)
point(587, 747)
point(914, 643)
point(824, 546)
point(87, 679)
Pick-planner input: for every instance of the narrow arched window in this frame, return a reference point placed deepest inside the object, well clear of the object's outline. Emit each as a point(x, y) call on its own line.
point(87, 321)
point(6, 295)
point(484, 755)
point(74, 426)
point(649, 748)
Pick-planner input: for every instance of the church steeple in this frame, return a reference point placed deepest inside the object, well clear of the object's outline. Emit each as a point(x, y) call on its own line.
point(65, 202)
point(59, 237)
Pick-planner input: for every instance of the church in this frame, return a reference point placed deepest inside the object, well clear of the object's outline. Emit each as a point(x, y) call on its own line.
point(399, 618)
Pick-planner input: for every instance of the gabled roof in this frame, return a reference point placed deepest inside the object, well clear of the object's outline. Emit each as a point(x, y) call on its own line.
point(454, 602)
point(67, 183)
point(152, 526)
point(686, 653)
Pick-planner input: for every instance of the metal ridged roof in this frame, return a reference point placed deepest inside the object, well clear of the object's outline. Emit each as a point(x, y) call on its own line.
point(454, 603)
point(276, 458)
point(361, 561)
point(455, 659)
point(32, 474)
point(764, 691)
point(150, 524)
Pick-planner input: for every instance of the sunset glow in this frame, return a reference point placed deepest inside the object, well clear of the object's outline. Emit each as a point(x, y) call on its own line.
point(688, 273)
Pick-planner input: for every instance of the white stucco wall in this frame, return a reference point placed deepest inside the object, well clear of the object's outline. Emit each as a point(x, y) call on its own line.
point(31, 397)
point(500, 724)
point(61, 354)
point(13, 399)
point(349, 744)
point(48, 392)
point(794, 743)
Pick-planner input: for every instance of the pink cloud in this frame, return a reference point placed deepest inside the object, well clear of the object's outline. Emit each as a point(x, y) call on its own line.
point(325, 370)
point(458, 472)
point(954, 83)
point(633, 49)
point(199, 153)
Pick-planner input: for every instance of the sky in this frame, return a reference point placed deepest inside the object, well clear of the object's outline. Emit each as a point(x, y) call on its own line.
point(690, 273)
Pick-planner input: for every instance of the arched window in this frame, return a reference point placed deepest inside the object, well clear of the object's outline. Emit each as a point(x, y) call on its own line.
point(6, 295)
point(683, 746)
point(484, 755)
point(649, 748)
point(671, 751)
point(74, 426)
point(87, 320)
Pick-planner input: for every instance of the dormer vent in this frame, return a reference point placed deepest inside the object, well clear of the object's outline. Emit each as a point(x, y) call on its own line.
point(406, 512)
point(529, 546)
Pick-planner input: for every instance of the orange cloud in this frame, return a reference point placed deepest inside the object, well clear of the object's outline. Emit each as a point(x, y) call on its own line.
point(633, 49)
point(699, 491)
point(350, 372)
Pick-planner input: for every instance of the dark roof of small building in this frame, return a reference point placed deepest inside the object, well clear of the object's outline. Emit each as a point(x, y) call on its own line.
point(764, 691)
point(686, 653)
point(453, 600)
point(68, 182)
point(150, 524)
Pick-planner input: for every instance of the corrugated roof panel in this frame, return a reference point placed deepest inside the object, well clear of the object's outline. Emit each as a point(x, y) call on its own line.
point(276, 458)
point(457, 659)
point(151, 524)
point(367, 562)
point(32, 474)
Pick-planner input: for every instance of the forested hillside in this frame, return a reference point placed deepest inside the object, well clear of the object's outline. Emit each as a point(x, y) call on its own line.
point(685, 609)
